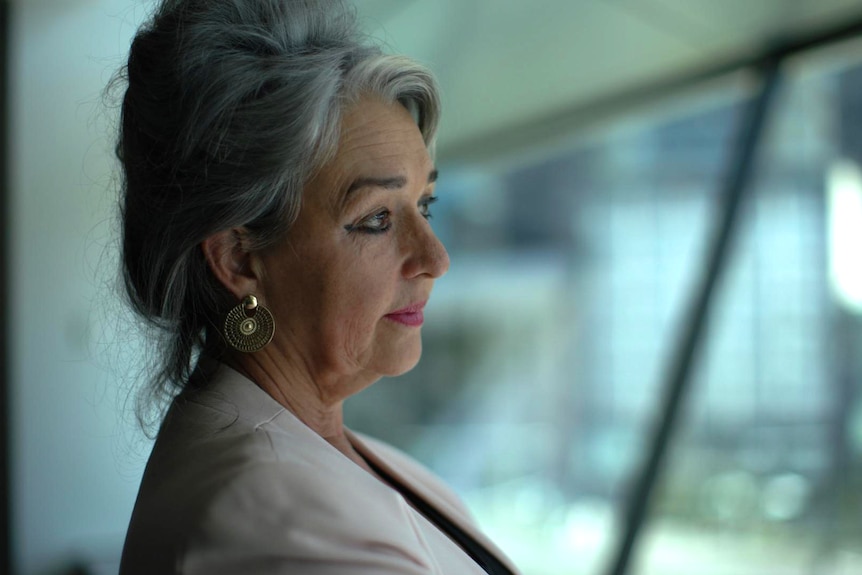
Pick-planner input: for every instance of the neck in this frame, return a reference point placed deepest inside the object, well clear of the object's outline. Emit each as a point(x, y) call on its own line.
point(298, 393)
point(295, 391)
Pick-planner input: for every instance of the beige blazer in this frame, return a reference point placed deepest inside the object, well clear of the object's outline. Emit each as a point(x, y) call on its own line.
point(236, 484)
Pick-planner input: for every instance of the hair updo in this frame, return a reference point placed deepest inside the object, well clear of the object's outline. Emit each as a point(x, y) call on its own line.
point(230, 106)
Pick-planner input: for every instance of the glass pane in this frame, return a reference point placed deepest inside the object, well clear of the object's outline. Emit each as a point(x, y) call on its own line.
point(765, 474)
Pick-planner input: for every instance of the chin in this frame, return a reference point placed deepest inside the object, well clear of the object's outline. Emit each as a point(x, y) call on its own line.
point(403, 360)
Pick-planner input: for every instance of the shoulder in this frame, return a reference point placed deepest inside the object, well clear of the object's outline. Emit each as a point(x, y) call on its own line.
point(313, 518)
point(235, 484)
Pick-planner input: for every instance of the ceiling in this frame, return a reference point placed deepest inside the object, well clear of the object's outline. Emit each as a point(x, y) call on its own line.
point(503, 63)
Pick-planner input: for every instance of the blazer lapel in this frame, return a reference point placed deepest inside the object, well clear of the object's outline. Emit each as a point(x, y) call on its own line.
point(452, 513)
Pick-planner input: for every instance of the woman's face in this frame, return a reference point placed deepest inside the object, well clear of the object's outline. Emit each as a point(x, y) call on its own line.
point(348, 282)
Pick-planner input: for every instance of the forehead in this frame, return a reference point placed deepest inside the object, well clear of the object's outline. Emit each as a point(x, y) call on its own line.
point(379, 136)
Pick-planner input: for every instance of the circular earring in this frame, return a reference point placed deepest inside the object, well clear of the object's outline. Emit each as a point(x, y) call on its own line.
point(249, 326)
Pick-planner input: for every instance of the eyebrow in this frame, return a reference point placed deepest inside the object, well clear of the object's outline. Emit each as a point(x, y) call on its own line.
point(393, 183)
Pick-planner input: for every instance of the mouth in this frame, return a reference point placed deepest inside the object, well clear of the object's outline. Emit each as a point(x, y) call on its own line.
point(410, 316)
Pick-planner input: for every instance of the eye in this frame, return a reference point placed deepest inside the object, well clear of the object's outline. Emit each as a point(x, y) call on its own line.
point(425, 206)
point(376, 223)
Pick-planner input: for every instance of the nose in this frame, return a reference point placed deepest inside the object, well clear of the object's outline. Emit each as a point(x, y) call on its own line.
point(426, 254)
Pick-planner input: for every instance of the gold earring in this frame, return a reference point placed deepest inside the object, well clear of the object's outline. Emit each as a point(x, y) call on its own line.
point(249, 327)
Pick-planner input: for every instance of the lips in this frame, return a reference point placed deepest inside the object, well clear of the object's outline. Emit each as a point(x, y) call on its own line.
point(410, 316)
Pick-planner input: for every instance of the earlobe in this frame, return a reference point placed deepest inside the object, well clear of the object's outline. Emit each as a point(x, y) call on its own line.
point(230, 261)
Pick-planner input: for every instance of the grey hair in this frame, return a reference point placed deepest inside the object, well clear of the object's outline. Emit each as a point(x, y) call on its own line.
point(230, 106)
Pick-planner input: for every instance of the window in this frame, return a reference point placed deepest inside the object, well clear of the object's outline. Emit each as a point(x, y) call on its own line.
point(546, 343)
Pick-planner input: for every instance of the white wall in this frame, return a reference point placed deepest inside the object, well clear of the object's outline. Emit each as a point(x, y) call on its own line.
point(76, 457)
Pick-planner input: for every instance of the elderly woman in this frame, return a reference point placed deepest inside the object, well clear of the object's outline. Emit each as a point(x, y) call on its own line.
point(277, 191)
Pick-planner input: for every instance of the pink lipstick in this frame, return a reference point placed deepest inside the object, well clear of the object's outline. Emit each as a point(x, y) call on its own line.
point(411, 315)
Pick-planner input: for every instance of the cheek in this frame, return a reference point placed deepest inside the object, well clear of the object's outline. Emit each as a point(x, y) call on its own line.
point(359, 297)
point(347, 290)
point(365, 280)
point(350, 294)
point(359, 303)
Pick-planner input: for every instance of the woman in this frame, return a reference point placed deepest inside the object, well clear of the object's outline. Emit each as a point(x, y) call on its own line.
point(277, 191)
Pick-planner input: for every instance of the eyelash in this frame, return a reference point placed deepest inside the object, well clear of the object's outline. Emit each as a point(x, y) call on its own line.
point(425, 206)
point(380, 223)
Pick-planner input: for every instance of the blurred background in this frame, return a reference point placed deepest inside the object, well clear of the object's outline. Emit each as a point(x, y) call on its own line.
point(586, 154)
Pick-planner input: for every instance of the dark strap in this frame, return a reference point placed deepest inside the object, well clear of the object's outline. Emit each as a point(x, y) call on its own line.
point(471, 547)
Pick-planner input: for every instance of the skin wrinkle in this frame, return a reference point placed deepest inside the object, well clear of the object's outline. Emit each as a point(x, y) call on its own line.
point(330, 287)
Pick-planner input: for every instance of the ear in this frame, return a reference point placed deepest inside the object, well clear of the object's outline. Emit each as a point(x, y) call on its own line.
point(227, 255)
